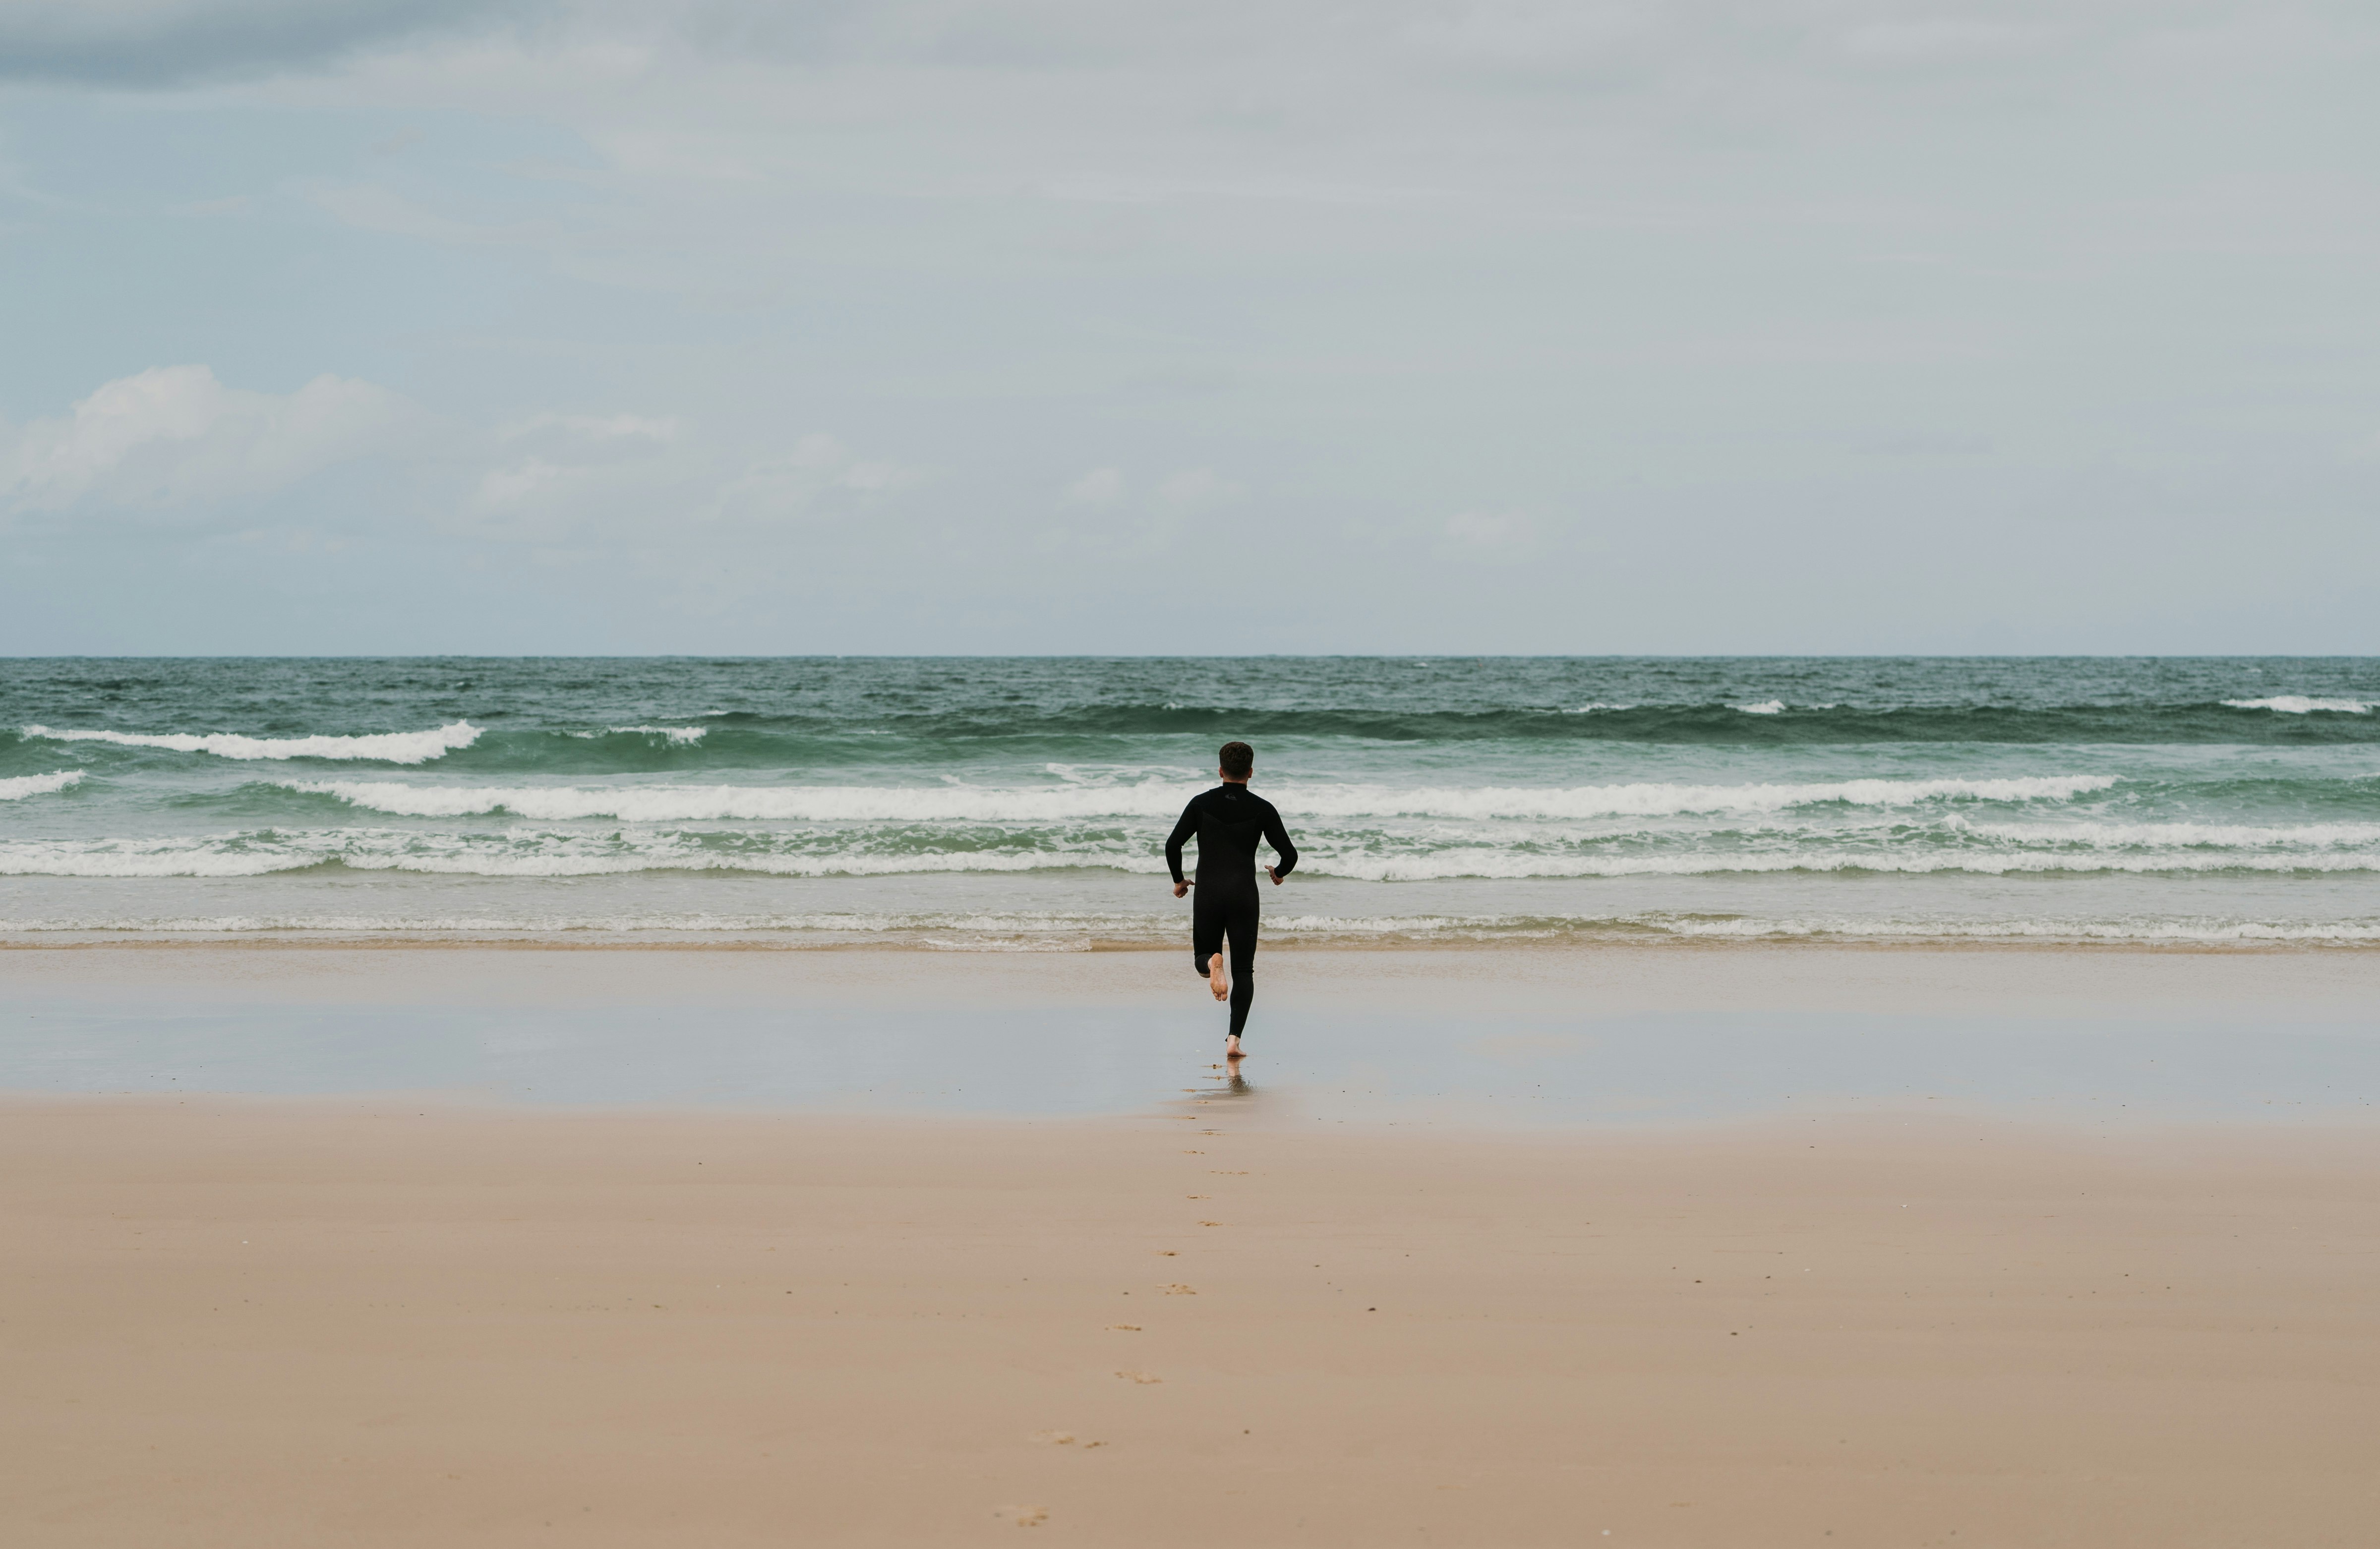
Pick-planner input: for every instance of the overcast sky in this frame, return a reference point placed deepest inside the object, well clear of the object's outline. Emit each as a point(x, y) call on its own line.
point(918, 326)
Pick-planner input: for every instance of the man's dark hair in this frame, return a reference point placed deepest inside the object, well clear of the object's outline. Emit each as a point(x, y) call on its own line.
point(1239, 760)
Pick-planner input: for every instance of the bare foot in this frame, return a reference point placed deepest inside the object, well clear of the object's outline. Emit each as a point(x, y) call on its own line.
point(1232, 1046)
point(1216, 979)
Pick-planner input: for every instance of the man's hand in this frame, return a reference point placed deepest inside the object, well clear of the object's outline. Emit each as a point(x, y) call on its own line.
point(1274, 875)
point(1181, 889)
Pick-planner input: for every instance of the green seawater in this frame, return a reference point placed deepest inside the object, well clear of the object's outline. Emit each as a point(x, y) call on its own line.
point(1020, 802)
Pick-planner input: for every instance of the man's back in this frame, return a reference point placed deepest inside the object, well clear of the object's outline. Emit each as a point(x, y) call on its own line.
point(1228, 822)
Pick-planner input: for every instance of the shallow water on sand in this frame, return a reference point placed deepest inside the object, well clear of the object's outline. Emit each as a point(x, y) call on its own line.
point(1458, 1053)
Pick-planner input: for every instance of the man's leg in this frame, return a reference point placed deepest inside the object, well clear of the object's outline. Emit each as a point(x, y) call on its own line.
point(1243, 928)
point(1207, 919)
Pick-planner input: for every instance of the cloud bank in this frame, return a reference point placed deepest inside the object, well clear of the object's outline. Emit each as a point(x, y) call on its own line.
point(890, 324)
point(160, 42)
point(175, 438)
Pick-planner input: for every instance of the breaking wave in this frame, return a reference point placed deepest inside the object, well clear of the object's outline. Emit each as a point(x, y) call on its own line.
point(2299, 704)
point(677, 736)
point(17, 789)
point(385, 747)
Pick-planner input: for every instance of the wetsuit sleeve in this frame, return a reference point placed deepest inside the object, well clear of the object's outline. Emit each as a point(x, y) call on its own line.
point(1278, 837)
point(1182, 831)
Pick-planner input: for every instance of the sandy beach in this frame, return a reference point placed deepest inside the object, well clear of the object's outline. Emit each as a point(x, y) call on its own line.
point(383, 1317)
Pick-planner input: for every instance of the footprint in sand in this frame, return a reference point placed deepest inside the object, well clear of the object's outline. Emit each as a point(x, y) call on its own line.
point(1055, 1438)
point(1177, 1291)
point(1143, 1377)
point(1167, 1253)
point(1023, 1516)
point(1125, 1327)
point(1210, 1223)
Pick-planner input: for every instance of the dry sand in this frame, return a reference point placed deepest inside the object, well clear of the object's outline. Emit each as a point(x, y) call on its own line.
point(317, 1322)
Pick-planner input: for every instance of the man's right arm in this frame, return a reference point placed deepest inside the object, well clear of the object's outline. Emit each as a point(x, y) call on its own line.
point(1173, 842)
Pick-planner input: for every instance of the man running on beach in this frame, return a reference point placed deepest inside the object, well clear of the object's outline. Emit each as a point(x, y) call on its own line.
point(1228, 822)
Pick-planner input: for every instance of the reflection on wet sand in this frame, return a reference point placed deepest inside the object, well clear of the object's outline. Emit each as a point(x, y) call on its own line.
point(1489, 1040)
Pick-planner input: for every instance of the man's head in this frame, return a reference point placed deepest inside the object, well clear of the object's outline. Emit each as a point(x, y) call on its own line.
point(1238, 760)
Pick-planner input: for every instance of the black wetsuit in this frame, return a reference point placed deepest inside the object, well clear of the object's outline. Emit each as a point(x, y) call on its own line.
point(1227, 822)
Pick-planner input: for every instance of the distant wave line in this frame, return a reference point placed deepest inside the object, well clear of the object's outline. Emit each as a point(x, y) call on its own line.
point(660, 803)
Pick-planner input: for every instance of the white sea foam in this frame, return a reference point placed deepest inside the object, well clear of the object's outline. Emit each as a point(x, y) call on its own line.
point(2231, 836)
point(855, 922)
point(2210, 931)
point(529, 855)
point(1491, 865)
point(18, 862)
point(386, 747)
point(1767, 706)
point(483, 863)
point(2299, 704)
point(22, 786)
point(178, 858)
point(679, 736)
point(1064, 930)
point(535, 854)
point(873, 804)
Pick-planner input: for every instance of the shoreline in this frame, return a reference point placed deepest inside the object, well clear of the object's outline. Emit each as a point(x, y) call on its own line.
point(292, 941)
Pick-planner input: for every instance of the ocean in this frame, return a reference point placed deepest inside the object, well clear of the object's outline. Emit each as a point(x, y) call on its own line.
point(1020, 804)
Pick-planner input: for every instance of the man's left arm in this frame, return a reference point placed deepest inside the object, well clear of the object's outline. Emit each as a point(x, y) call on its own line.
point(1278, 837)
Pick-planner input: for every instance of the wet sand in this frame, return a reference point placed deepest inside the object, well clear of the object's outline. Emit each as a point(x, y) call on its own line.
point(1492, 1039)
point(312, 1323)
point(374, 1319)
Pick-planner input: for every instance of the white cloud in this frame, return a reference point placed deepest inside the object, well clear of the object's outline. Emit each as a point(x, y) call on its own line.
point(173, 437)
point(1946, 39)
point(177, 442)
point(594, 429)
point(829, 465)
point(557, 478)
point(1196, 489)
point(818, 477)
point(1488, 529)
point(1098, 487)
point(370, 207)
